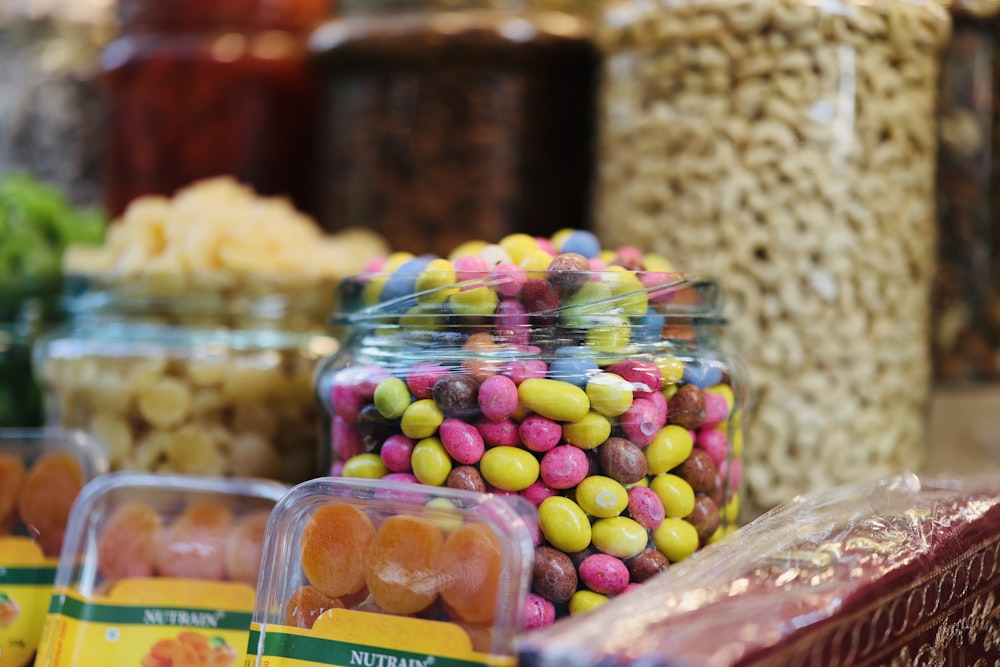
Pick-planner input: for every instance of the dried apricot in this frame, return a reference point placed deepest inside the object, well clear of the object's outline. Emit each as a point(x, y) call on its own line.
point(307, 604)
point(128, 543)
point(47, 495)
point(222, 654)
point(194, 545)
point(402, 577)
point(198, 642)
point(472, 562)
point(334, 542)
point(244, 546)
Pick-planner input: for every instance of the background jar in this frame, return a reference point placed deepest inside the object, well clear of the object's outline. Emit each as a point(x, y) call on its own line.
point(967, 289)
point(448, 121)
point(790, 148)
point(222, 88)
point(191, 375)
point(616, 413)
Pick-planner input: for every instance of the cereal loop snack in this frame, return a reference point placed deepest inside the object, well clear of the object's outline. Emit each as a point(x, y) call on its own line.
point(586, 381)
point(195, 333)
point(789, 148)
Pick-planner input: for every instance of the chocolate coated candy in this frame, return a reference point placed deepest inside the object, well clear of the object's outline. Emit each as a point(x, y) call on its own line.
point(687, 407)
point(650, 562)
point(699, 471)
point(554, 576)
point(456, 395)
point(465, 477)
point(704, 517)
point(622, 460)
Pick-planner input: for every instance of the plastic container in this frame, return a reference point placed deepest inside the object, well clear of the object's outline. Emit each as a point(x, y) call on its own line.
point(789, 148)
point(450, 121)
point(192, 375)
point(248, 96)
point(362, 570)
point(570, 389)
point(41, 473)
point(967, 290)
point(158, 569)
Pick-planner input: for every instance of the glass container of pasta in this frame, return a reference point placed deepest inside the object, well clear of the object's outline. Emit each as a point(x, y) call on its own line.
point(200, 376)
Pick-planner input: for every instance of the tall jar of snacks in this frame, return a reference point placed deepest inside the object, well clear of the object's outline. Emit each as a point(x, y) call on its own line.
point(451, 120)
point(602, 397)
point(789, 147)
point(199, 89)
point(191, 375)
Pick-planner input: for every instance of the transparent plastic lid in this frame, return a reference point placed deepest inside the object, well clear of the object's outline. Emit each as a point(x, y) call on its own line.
point(372, 566)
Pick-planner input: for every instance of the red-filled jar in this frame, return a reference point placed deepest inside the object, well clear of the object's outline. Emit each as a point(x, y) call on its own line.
point(198, 89)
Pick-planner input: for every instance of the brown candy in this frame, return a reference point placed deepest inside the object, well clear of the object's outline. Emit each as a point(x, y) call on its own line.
point(650, 562)
point(568, 272)
point(623, 460)
point(687, 407)
point(554, 576)
point(456, 395)
point(704, 517)
point(465, 477)
point(699, 471)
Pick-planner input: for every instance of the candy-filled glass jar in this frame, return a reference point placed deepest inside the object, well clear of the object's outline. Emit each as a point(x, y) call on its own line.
point(196, 375)
point(602, 397)
point(450, 120)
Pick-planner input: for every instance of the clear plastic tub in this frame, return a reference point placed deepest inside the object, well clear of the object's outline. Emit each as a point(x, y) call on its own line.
point(359, 571)
point(41, 473)
point(158, 569)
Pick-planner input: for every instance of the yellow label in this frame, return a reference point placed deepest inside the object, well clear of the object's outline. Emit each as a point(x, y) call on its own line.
point(150, 623)
point(350, 638)
point(26, 577)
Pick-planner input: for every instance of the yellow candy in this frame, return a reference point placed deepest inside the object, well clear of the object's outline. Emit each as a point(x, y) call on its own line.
point(430, 461)
point(610, 394)
point(535, 260)
point(625, 284)
point(444, 513)
point(395, 260)
point(584, 601)
point(657, 263)
point(675, 493)
point(589, 432)
point(609, 338)
point(518, 246)
point(676, 539)
point(607, 256)
point(421, 419)
point(467, 249)
point(369, 466)
point(725, 391)
point(601, 497)
point(475, 301)
point(671, 447)
point(509, 468)
point(372, 290)
point(564, 524)
point(432, 281)
point(672, 370)
point(731, 510)
point(392, 397)
point(620, 536)
point(554, 399)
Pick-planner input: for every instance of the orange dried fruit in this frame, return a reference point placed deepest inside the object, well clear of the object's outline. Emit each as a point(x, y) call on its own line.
point(194, 545)
point(46, 497)
point(334, 543)
point(402, 573)
point(244, 546)
point(128, 543)
point(307, 604)
point(472, 563)
point(11, 477)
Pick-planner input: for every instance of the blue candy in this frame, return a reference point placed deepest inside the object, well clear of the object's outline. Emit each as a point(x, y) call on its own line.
point(403, 281)
point(648, 328)
point(702, 373)
point(583, 243)
point(576, 369)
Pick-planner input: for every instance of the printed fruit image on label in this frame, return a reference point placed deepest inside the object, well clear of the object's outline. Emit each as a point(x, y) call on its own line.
point(190, 649)
point(9, 611)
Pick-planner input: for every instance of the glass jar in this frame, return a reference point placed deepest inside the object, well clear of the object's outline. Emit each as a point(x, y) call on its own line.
point(613, 409)
point(191, 376)
point(789, 147)
point(200, 89)
point(967, 289)
point(50, 109)
point(448, 121)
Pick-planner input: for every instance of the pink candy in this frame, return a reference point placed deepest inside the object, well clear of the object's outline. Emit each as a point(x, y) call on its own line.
point(512, 327)
point(564, 467)
point(540, 434)
point(604, 574)
point(510, 278)
point(421, 378)
point(470, 267)
point(715, 443)
point(519, 371)
point(537, 492)
point(498, 434)
point(462, 441)
point(645, 507)
point(498, 397)
point(645, 376)
point(397, 453)
point(716, 410)
point(345, 437)
point(539, 612)
point(641, 421)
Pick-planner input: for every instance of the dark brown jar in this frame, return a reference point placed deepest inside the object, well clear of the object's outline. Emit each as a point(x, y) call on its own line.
point(451, 121)
point(200, 88)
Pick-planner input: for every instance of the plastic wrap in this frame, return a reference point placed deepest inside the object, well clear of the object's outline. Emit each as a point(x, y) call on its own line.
point(900, 571)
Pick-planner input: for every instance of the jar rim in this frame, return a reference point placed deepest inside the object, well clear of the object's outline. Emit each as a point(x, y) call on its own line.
point(675, 294)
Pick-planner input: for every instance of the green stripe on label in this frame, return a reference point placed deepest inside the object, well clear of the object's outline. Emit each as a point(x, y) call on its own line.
point(27, 576)
point(124, 615)
point(331, 652)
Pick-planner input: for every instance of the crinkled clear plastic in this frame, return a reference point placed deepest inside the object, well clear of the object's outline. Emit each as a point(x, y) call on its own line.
point(898, 571)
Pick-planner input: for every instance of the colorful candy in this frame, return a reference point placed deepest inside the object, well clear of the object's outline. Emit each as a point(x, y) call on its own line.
point(560, 372)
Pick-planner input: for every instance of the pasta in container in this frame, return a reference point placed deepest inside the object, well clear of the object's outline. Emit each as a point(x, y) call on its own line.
point(194, 333)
